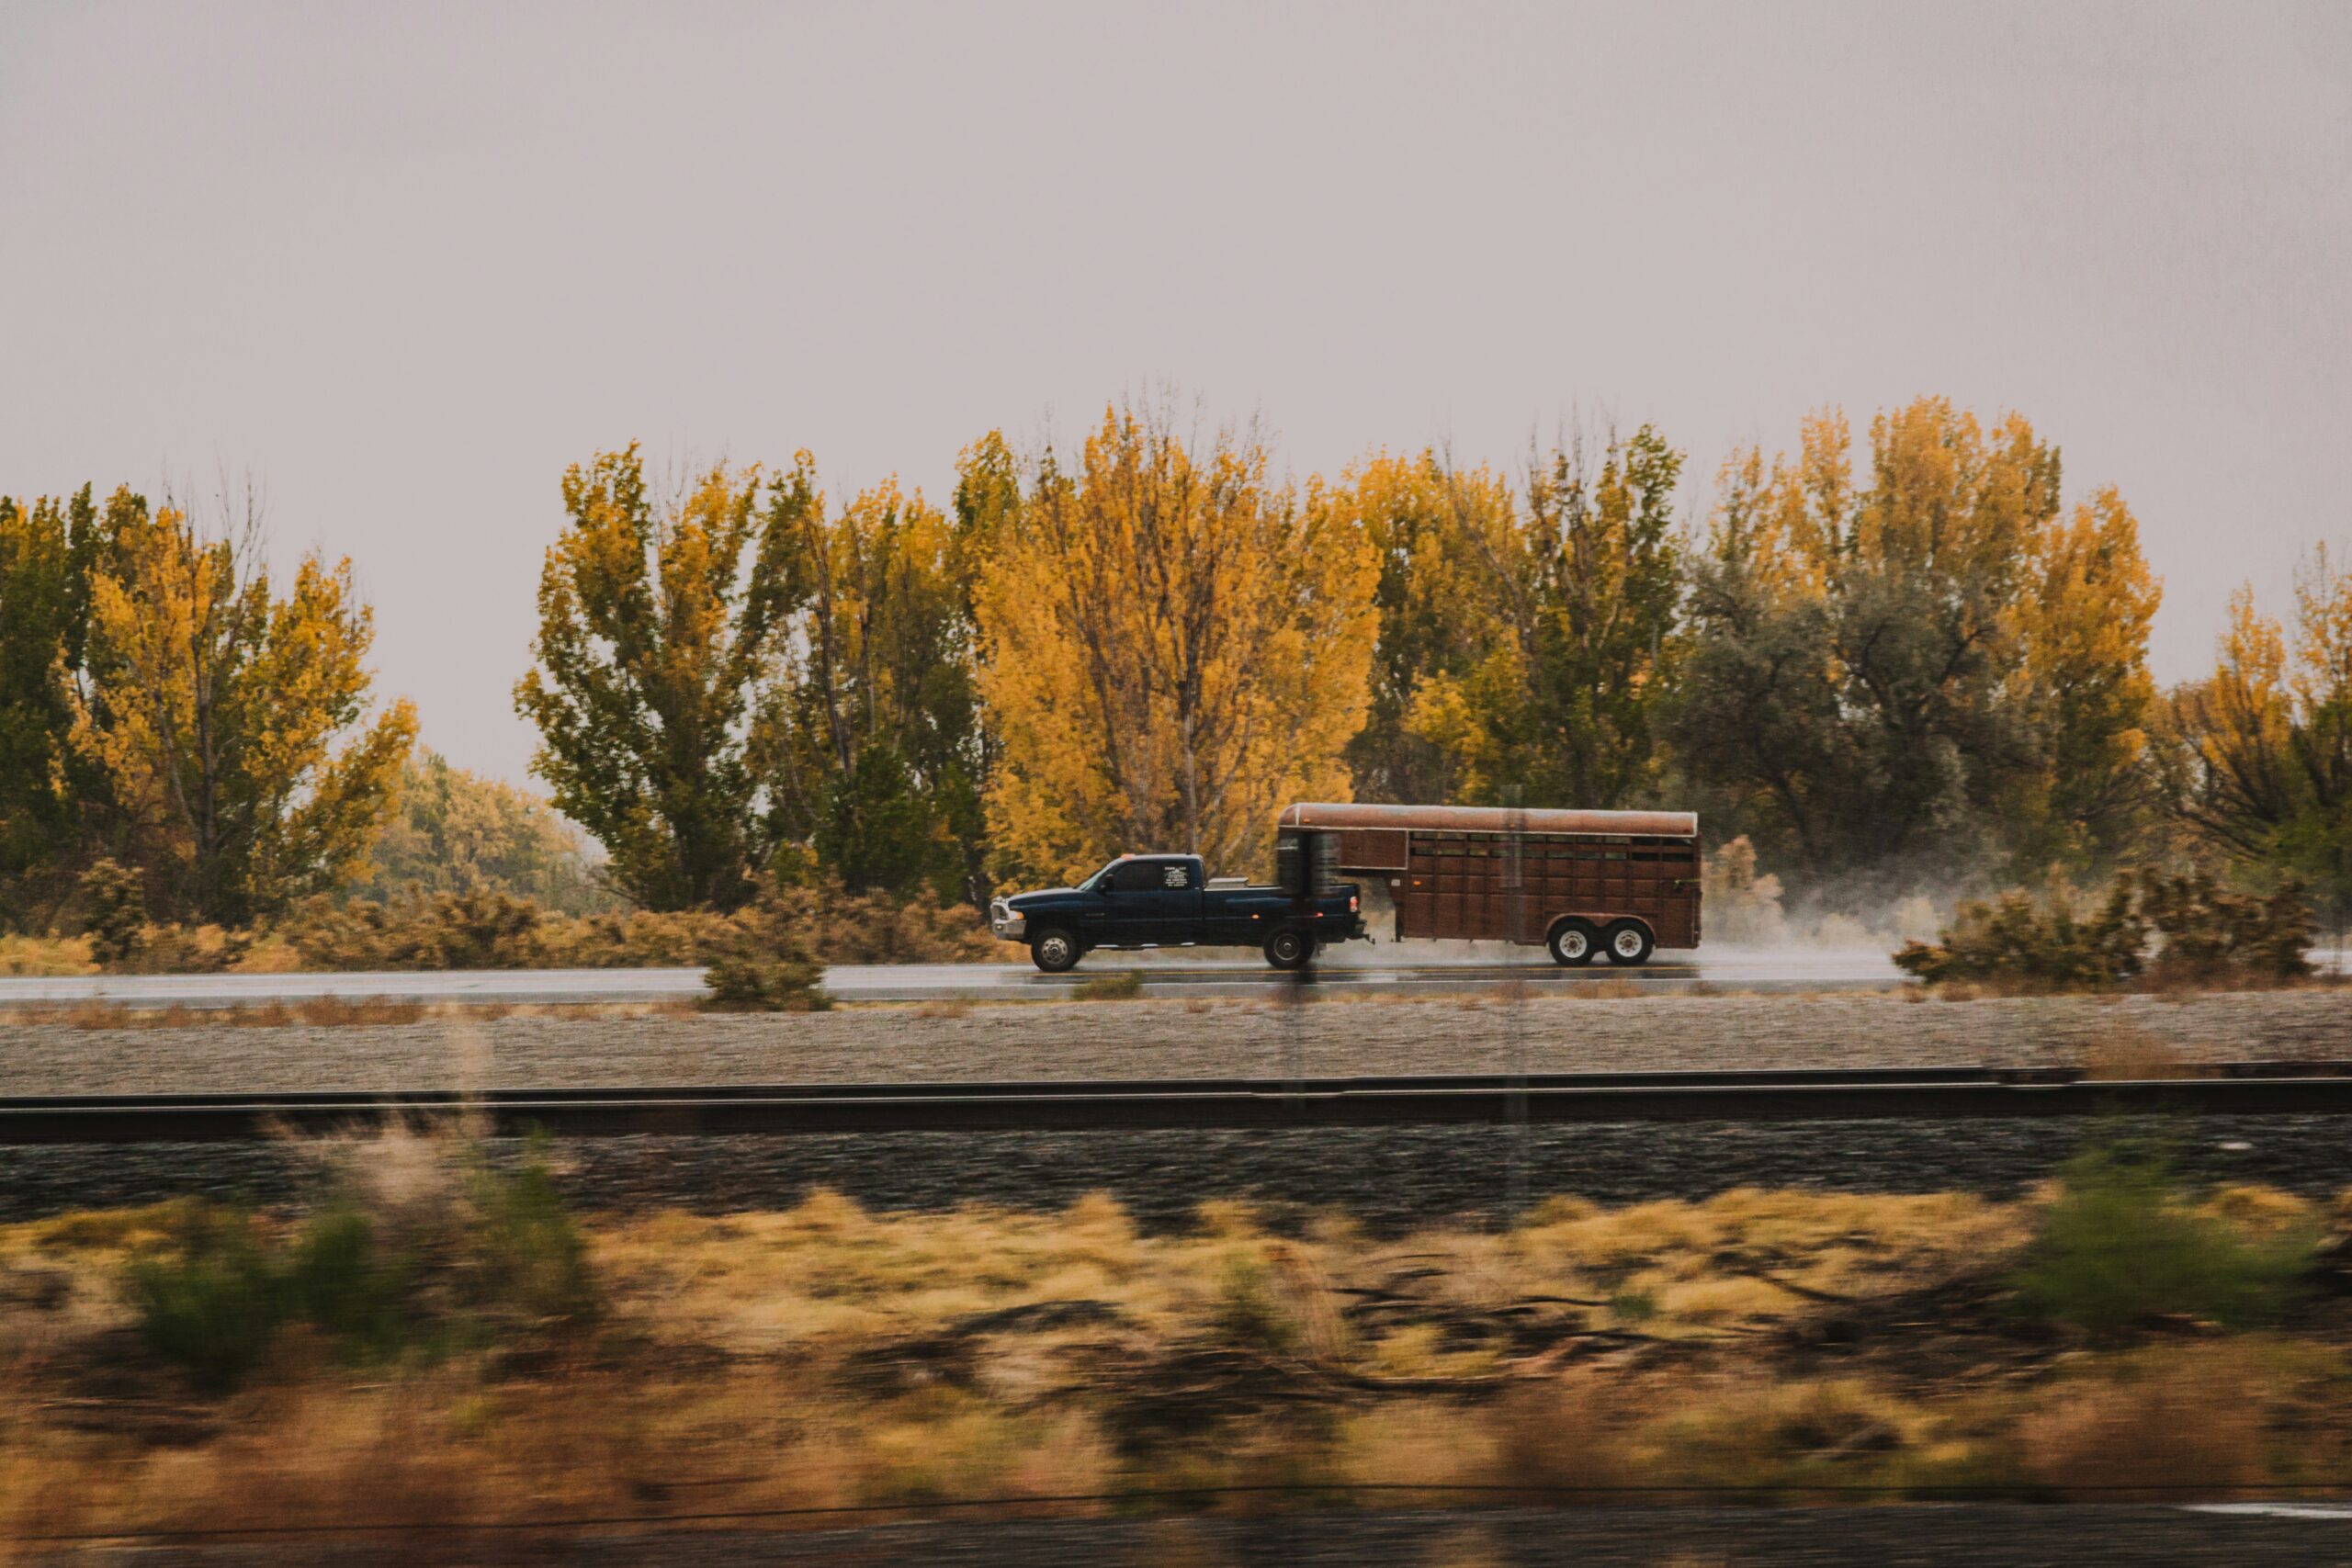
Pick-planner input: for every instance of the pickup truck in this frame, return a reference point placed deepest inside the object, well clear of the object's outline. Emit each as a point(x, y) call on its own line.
point(1168, 901)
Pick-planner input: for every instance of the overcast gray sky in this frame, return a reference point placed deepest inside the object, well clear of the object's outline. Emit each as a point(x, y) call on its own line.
point(404, 263)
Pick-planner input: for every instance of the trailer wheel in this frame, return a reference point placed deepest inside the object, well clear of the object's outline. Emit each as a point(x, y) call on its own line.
point(1573, 943)
point(1055, 952)
point(1289, 948)
point(1629, 942)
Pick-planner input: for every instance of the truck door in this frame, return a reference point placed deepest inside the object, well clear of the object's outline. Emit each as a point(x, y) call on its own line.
point(1156, 902)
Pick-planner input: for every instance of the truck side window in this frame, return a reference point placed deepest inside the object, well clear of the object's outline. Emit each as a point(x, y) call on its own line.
point(1136, 876)
point(1176, 876)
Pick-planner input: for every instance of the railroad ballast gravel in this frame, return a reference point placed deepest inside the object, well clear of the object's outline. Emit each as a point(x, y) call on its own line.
point(1181, 1039)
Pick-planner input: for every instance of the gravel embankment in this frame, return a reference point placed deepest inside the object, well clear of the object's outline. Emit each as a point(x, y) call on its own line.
point(1390, 1179)
point(1177, 1038)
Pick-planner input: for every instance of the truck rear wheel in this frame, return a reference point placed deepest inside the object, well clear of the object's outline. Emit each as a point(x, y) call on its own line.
point(1288, 949)
point(1055, 952)
point(1629, 942)
point(1573, 943)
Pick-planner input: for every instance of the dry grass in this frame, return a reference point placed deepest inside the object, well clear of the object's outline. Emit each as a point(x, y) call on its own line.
point(826, 1356)
point(2124, 1053)
point(325, 1012)
point(2187, 1417)
point(45, 956)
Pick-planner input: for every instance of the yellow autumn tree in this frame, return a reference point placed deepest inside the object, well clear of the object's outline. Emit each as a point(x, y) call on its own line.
point(230, 725)
point(1175, 647)
point(1584, 587)
point(2082, 687)
point(1452, 583)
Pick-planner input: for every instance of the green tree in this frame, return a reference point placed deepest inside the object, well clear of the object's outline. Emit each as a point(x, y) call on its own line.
point(230, 724)
point(1927, 673)
point(41, 612)
point(988, 502)
point(1757, 715)
point(656, 626)
point(1564, 708)
point(868, 731)
point(2258, 755)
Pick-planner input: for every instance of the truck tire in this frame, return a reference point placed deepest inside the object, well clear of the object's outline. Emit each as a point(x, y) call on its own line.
point(1289, 948)
point(1573, 943)
point(1629, 942)
point(1054, 951)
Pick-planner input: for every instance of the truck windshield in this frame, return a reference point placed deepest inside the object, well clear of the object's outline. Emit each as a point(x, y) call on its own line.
point(1100, 880)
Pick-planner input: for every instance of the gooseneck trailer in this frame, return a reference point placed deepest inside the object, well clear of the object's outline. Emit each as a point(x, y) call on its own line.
point(1577, 883)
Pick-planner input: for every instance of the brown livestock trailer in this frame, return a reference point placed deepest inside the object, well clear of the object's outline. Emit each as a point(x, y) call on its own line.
point(1576, 881)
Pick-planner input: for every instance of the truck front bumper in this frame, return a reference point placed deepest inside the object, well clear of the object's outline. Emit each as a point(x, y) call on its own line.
point(1009, 923)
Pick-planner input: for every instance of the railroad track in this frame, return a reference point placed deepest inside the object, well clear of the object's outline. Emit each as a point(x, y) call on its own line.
point(2262, 1088)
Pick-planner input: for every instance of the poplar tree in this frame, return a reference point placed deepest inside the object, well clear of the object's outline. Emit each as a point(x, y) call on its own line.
point(657, 624)
point(1564, 708)
point(1175, 647)
point(43, 613)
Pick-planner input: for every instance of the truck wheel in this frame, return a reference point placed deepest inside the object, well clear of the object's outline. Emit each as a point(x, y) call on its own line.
point(1573, 943)
point(1629, 942)
point(1289, 948)
point(1054, 952)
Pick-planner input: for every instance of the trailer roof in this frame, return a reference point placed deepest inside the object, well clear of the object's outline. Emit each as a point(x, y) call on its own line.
point(1489, 819)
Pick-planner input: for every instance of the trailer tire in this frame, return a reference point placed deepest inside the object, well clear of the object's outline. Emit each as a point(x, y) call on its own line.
point(1573, 943)
point(1055, 951)
point(1289, 948)
point(1629, 943)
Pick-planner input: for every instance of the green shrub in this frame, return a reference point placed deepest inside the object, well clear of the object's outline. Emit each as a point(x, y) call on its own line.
point(2046, 944)
point(2202, 935)
point(215, 1308)
point(2120, 1244)
point(512, 1259)
point(2208, 934)
point(534, 1258)
point(338, 1278)
point(764, 985)
point(114, 908)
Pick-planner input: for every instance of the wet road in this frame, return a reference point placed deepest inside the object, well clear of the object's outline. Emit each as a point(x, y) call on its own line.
point(1417, 969)
point(1358, 967)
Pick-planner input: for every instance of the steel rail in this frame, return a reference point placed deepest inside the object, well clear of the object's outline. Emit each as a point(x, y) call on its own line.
point(1801, 1094)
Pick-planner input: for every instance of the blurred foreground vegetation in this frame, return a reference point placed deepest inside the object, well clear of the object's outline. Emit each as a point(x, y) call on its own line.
point(437, 1342)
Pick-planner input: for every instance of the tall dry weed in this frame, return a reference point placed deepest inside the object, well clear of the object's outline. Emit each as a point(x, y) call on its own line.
point(1567, 1440)
point(2176, 1422)
point(2124, 1053)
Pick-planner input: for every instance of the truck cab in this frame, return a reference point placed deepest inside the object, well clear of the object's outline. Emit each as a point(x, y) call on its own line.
point(1166, 900)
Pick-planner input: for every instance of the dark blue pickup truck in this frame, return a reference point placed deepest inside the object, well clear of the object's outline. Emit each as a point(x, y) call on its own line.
point(1167, 901)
